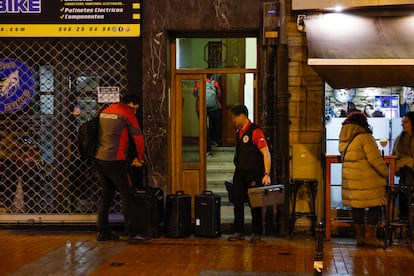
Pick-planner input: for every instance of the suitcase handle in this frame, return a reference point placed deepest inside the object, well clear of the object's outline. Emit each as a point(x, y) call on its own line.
point(141, 191)
point(179, 192)
point(274, 189)
point(207, 192)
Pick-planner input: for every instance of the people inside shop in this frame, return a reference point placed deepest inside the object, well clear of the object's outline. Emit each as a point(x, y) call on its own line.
point(329, 111)
point(349, 108)
point(377, 110)
point(403, 150)
point(377, 113)
point(252, 161)
point(364, 177)
point(117, 123)
point(213, 106)
point(368, 109)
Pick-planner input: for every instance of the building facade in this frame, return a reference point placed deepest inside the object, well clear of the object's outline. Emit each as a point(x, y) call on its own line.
point(257, 50)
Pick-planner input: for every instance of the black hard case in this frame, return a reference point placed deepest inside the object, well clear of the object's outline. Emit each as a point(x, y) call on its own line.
point(207, 215)
point(178, 215)
point(149, 211)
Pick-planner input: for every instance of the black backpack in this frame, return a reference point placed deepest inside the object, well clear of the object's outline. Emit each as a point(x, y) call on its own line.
point(88, 136)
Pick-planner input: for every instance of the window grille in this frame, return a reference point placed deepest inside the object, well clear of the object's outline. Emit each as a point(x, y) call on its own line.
point(40, 170)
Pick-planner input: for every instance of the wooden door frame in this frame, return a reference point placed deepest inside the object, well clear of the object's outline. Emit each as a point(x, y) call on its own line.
point(176, 166)
point(179, 168)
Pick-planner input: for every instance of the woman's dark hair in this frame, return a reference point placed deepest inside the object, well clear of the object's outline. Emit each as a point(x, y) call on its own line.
point(410, 116)
point(358, 118)
point(365, 109)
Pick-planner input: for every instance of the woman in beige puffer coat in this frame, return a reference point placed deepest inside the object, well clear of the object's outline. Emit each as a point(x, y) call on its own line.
point(364, 176)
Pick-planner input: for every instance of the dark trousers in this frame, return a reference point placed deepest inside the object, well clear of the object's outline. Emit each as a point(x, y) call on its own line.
point(406, 191)
point(213, 127)
point(403, 203)
point(373, 215)
point(242, 181)
point(113, 176)
point(214, 122)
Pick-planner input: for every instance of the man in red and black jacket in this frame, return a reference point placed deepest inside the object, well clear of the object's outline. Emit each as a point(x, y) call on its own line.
point(117, 123)
point(253, 163)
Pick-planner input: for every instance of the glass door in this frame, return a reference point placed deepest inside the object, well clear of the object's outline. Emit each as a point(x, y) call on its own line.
point(189, 130)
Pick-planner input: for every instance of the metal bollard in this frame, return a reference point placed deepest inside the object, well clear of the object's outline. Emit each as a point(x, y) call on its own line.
point(319, 237)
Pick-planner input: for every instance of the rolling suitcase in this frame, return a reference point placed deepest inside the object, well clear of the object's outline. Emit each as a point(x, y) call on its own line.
point(149, 211)
point(207, 215)
point(178, 215)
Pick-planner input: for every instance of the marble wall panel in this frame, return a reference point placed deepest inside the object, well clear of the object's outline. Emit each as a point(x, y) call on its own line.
point(160, 16)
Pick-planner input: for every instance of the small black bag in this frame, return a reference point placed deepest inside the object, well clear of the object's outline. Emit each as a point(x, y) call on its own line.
point(88, 137)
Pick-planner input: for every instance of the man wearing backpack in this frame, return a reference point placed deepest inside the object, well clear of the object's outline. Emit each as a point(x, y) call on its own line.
point(213, 105)
point(117, 123)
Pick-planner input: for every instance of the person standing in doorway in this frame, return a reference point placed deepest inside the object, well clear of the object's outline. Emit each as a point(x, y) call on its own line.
point(364, 177)
point(117, 123)
point(253, 163)
point(213, 105)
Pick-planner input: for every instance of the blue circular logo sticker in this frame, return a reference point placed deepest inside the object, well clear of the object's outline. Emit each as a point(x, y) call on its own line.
point(16, 85)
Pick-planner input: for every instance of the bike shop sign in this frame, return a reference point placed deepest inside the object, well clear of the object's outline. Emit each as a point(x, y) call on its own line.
point(70, 18)
point(16, 85)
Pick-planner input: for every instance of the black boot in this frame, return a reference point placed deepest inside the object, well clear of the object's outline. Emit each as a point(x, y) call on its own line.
point(360, 234)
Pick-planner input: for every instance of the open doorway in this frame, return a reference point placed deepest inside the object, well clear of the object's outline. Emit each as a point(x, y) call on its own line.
point(223, 60)
point(207, 138)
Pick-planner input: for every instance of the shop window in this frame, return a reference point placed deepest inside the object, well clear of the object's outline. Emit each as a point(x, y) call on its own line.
point(386, 107)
